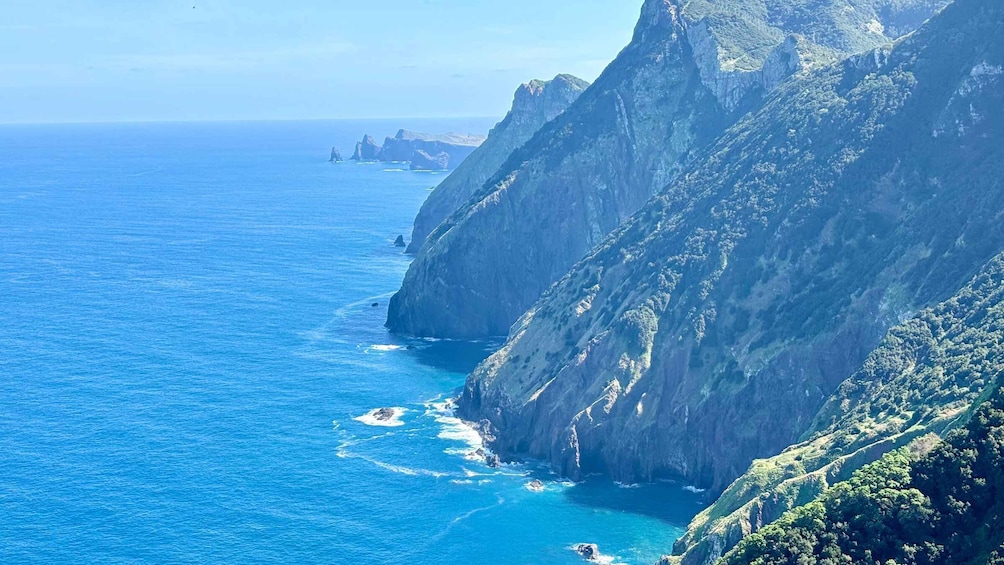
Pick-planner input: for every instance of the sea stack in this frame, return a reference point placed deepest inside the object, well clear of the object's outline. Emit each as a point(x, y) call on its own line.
point(336, 155)
point(367, 150)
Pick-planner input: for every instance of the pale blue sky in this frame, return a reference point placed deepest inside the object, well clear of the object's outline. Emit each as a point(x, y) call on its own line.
point(135, 60)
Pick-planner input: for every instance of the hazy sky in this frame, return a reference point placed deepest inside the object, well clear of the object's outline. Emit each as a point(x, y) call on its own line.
point(111, 60)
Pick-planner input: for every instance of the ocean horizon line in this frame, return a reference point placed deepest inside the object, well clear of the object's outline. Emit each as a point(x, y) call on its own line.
point(242, 121)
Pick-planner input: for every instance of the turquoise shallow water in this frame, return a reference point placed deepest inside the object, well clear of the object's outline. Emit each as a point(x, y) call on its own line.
point(187, 337)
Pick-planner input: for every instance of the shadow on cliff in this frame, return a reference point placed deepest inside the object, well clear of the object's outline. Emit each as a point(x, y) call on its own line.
point(667, 502)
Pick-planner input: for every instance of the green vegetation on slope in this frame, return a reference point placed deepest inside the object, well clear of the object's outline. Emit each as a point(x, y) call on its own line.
point(945, 507)
point(923, 379)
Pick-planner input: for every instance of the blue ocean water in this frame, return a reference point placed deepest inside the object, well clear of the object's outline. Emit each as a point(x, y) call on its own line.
point(188, 336)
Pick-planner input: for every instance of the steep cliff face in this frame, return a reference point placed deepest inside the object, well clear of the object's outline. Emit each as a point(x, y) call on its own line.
point(691, 70)
point(711, 328)
point(534, 104)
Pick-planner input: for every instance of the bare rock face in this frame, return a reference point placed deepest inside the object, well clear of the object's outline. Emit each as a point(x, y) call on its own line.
point(534, 104)
point(692, 69)
point(422, 161)
point(336, 155)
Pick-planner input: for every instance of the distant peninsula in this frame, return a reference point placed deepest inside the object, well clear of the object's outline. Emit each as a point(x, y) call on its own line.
point(423, 151)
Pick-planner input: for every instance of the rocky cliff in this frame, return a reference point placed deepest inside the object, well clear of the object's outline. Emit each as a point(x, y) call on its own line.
point(691, 70)
point(403, 146)
point(422, 161)
point(711, 328)
point(367, 150)
point(534, 104)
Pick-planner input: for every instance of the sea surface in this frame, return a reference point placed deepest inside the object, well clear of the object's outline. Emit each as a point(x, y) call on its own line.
point(191, 338)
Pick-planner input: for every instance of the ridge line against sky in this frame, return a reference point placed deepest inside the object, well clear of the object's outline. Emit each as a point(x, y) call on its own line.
point(228, 60)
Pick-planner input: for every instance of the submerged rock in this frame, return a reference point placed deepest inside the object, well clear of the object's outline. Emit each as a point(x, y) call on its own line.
point(588, 551)
point(384, 414)
point(535, 485)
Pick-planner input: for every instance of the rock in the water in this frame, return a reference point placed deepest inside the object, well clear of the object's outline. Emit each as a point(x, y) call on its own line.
point(535, 485)
point(367, 150)
point(336, 155)
point(588, 551)
point(399, 242)
point(375, 304)
point(493, 461)
point(384, 414)
point(534, 104)
point(422, 161)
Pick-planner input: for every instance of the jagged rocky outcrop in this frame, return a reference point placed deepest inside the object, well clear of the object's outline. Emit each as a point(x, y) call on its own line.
point(336, 155)
point(367, 150)
point(691, 70)
point(534, 104)
point(422, 161)
point(406, 144)
point(711, 328)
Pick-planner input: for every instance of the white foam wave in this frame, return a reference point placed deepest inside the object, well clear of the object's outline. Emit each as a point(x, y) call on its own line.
point(357, 305)
point(627, 485)
point(597, 557)
point(372, 419)
point(693, 489)
point(453, 428)
point(535, 486)
point(383, 348)
point(400, 469)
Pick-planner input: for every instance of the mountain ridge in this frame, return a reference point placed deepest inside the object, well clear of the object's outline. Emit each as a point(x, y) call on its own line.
point(764, 276)
point(669, 94)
